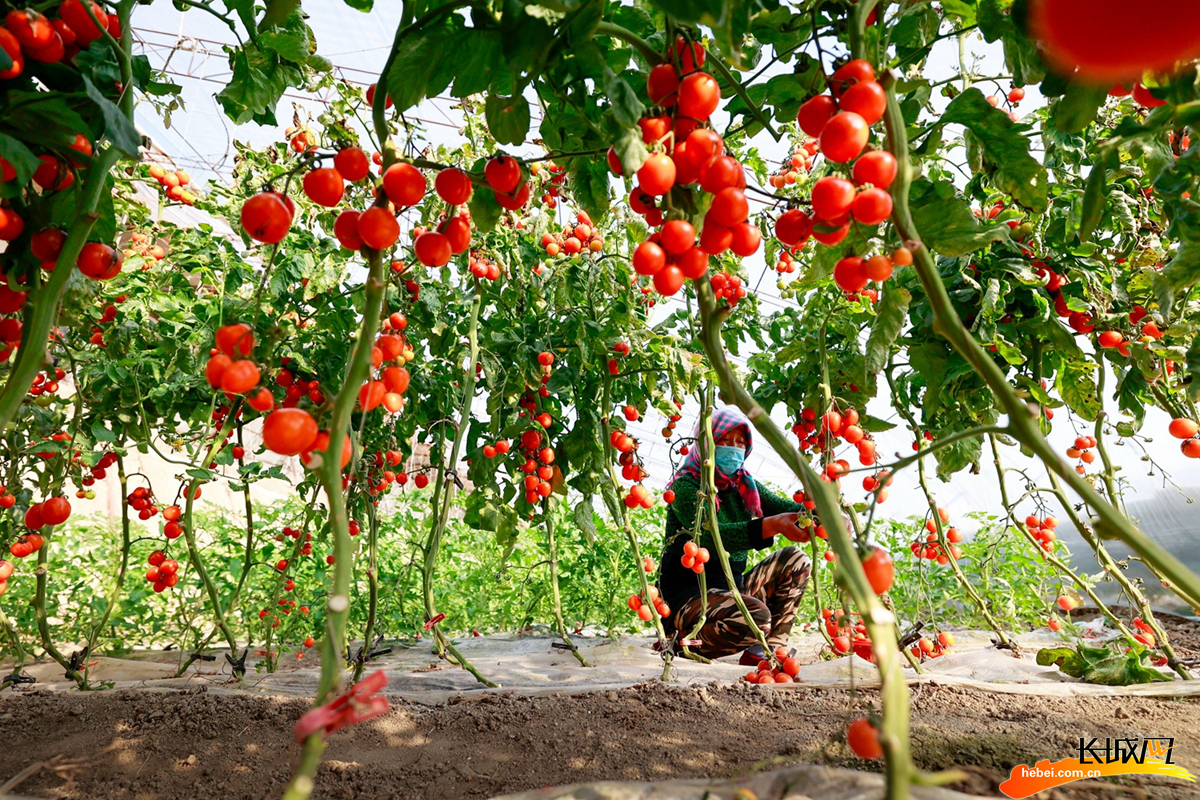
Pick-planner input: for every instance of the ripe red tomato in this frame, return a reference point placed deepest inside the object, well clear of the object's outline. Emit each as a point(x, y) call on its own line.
point(31, 29)
point(815, 113)
point(844, 137)
point(662, 85)
point(668, 280)
point(1081, 34)
point(1142, 96)
point(832, 197)
point(99, 261)
point(690, 57)
point(677, 236)
point(324, 186)
point(699, 96)
point(715, 238)
point(729, 207)
point(793, 227)
point(405, 185)
point(693, 263)
point(872, 206)
point(378, 228)
point(877, 168)
point(47, 243)
point(458, 232)
point(513, 202)
point(863, 739)
point(453, 186)
point(289, 431)
point(1183, 428)
point(12, 48)
point(880, 570)
point(746, 239)
point(56, 510)
point(867, 99)
point(877, 268)
point(76, 17)
point(345, 228)
point(723, 172)
point(266, 217)
point(502, 173)
point(850, 73)
point(831, 237)
point(352, 164)
point(432, 249)
point(53, 175)
point(239, 377)
point(848, 274)
point(657, 175)
point(235, 339)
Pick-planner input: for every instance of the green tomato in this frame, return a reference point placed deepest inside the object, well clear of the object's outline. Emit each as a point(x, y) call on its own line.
point(90, 494)
point(44, 401)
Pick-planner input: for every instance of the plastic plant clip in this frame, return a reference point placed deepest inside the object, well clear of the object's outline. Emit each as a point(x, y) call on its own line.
point(434, 621)
point(358, 704)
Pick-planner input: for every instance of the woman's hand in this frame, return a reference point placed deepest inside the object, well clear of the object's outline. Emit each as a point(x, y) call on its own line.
point(781, 525)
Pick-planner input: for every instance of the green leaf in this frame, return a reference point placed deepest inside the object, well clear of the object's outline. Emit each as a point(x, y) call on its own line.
point(481, 55)
point(631, 150)
point(1182, 272)
point(119, 129)
point(1103, 666)
point(585, 519)
point(627, 107)
point(1078, 106)
point(101, 433)
point(259, 81)
point(961, 9)
point(1077, 388)
point(889, 320)
point(1193, 368)
point(40, 117)
point(485, 211)
point(1093, 201)
point(507, 118)
point(290, 40)
point(945, 221)
point(425, 63)
point(1006, 151)
point(588, 181)
point(22, 159)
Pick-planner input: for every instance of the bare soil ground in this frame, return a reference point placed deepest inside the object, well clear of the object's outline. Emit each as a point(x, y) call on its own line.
point(152, 745)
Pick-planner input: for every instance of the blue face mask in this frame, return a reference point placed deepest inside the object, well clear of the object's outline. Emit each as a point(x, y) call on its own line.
point(729, 459)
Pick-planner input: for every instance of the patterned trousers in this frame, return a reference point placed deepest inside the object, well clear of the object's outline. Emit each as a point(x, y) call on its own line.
point(772, 593)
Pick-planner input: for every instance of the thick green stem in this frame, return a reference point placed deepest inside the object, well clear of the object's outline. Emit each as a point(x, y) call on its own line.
point(880, 622)
point(42, 308)
point(555, 597)
point(605, 28)
point(119, 580)
point(1023, 425)
point(940, 532)
point(447, 481)
point(372, 587)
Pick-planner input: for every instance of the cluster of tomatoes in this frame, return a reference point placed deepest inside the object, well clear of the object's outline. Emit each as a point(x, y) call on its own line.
point(842, 122)
point(835, 425)
point(11, 302)
point(786, 265)
point(1145, 635)
point(289, 532)
point(538, 466)
point(6, 571)
point(930, 547)
point(686, 154)
point(785, 669)
point(728, 287)
point(295, 389)
point(381, 473)
point(1040, 529)
point(229, 367)
point(694, 557)
point(848, 633)
point(574, 239)
point(51, 511)
point(801, 161)
point(389, 388)
point(173, 183)
point(144, 245)
point(109, 315)
point(163, 572)
point(553, 184)
point(641, 605)
point(44, 384)
point(932, 648)
point(483, 267)
point(631, 469)
point(672, 421)
point(1082, 450)
point(29, 34)
point(7, 499)
point(872, 483)
point(1186, 429)
point(142, 501)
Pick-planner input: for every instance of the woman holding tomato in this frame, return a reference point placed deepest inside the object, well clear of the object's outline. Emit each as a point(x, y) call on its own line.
point(749, 517)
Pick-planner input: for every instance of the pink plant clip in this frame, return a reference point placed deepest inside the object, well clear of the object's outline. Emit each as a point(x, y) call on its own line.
point(356, 705)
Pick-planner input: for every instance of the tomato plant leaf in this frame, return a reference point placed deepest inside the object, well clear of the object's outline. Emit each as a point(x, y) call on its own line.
point(631, 150)
point(1005, 150)
point(1077, 388)
point(588, 178)
point(22, 159)
point(1077, 107)
point(507, 118)
point(119, 128)
point(958, 455)
point(585, 519)
point(485, 211)
point(481, 54)
point(945, 221)
point(258, 82)
point(889, 321)
point(424, 63)
point(1093, 201)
